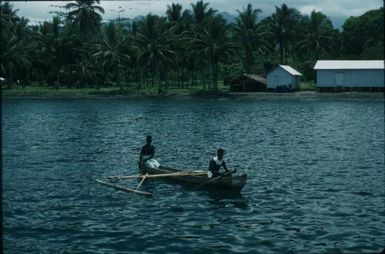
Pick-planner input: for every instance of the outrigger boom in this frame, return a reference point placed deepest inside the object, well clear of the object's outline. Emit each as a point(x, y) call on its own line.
point(200, 173)
point(119, 187)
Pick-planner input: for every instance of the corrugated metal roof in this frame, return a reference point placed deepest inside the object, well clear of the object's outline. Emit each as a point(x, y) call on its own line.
point(290, 70)
point(349, 64)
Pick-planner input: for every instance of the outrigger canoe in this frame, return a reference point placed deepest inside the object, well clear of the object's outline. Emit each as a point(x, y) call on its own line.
point(232, 183)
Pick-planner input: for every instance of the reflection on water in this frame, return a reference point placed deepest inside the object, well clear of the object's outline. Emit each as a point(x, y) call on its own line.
point(227, 199)
point(314, 165)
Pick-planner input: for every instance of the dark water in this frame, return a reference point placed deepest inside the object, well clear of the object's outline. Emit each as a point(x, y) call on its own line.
point(315, 167)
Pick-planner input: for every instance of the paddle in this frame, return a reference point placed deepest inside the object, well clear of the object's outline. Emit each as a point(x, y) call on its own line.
point(214, 179)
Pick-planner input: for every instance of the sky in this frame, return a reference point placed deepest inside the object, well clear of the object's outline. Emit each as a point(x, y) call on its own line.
point(337, 10)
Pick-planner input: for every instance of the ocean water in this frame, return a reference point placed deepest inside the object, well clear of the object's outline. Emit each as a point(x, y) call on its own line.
point(315, 175)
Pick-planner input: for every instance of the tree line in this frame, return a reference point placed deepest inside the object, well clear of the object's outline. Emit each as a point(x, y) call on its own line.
point(182, 48)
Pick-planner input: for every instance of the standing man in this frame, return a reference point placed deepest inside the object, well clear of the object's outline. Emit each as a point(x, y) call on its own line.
point(216, 163)
point(146, 153)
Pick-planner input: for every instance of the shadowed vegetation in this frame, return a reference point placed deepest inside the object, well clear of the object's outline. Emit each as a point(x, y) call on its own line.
point(184, 50)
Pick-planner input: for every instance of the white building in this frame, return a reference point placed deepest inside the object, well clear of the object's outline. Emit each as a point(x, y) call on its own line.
point(283, 78)
point(344, 75)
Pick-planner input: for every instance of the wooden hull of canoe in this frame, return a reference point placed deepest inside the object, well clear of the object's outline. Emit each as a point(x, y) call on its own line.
point(234, 183)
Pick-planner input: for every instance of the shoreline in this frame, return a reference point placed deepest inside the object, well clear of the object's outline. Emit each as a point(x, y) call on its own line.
point(41, 92)
point(249, 95)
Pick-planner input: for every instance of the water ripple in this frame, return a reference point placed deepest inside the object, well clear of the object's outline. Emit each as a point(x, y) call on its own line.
point(315, 176)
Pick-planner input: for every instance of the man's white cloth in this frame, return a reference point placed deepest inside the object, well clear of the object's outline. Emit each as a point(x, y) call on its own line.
point(152, 163)
point(217, 161)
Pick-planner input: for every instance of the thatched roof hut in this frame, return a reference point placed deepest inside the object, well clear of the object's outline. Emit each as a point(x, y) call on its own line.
point(246, 83)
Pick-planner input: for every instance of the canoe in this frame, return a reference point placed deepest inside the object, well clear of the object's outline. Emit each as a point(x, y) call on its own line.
point(232, 183)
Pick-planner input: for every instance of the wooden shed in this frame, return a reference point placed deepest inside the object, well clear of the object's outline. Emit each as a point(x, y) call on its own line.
point(246, 83)
point(283, 78)
point(350, 75)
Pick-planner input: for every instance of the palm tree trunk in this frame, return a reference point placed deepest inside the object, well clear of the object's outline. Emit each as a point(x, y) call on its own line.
point(203, 80)
point(248, 59)
point(281, 51)
point(10, 75)
point(317, 54)
point(215, 76)
point(136, 75)
point(159, 82)
point(179, 75)
point(182, 76)
point(192, 78)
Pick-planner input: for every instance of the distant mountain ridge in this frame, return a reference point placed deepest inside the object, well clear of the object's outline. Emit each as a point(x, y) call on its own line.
point(337, 21)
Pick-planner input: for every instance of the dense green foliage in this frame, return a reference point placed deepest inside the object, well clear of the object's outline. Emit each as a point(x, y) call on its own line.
point(363, 36)
point(183, 49)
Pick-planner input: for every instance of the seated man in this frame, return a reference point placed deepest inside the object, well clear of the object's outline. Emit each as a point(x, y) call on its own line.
point(216, 163)
point(146, 153)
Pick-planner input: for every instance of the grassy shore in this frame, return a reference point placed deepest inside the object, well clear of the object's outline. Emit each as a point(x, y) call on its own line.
point(43, 91)
point(306, 90)
point(307, 86)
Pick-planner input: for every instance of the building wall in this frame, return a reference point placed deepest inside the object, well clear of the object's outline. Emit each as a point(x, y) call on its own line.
point(279, 77)
point(295, 82)
point(350, 78)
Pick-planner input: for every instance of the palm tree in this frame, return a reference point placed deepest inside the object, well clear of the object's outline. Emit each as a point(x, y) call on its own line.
point(283, 24)
point(113, 52)
point(15, 45)
point(154, 40)
point(54, 48)
point(174, 13)
point(8, 16)
point(85, 15)
point(179, 23)
point(214, 44)
point(250, 35)
point(316, 35)
point(201, 11)
point(14, 56)
point(45, 55)
point(15, 51)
